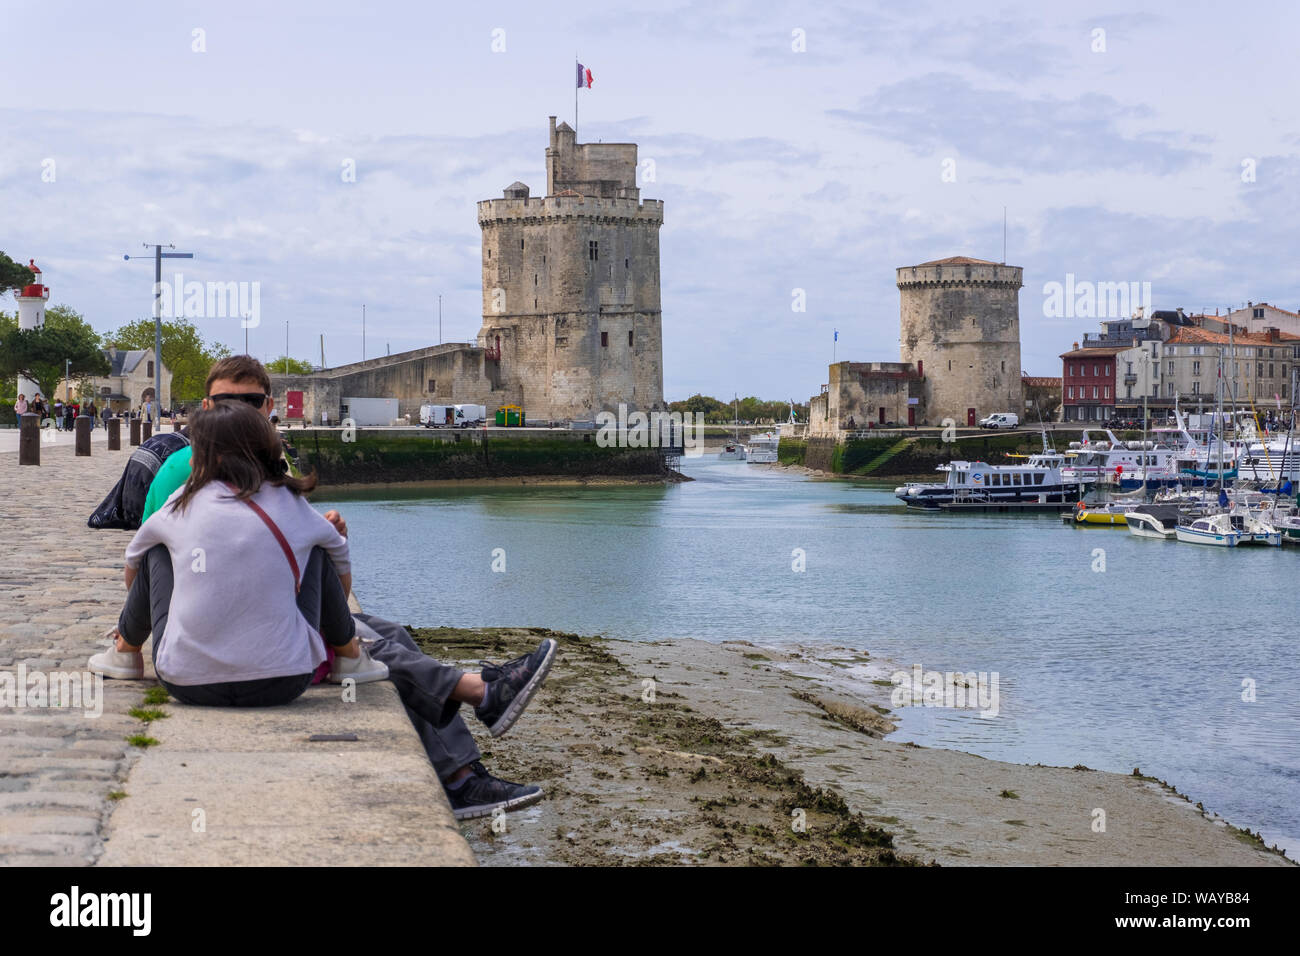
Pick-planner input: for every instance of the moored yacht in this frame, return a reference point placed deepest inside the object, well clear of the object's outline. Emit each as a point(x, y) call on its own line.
point(1126, 464)
point(762, 448)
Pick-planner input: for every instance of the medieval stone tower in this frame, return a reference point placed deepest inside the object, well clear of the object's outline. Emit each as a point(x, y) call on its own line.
point(960, 325)
point(571, 284)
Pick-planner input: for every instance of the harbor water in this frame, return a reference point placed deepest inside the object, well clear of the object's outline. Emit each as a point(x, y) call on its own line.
point(1111, 651)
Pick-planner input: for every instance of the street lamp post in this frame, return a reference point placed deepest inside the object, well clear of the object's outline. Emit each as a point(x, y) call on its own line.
point(158, 257)
point(67, 383)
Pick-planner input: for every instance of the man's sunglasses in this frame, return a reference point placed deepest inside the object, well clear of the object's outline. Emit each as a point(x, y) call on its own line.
point(256, 399)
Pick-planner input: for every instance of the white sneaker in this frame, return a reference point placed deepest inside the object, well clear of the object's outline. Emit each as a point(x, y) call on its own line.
point(361, 669)
point(121, 665)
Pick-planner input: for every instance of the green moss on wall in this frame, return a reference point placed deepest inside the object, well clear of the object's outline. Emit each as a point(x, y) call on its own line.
point(379, 457)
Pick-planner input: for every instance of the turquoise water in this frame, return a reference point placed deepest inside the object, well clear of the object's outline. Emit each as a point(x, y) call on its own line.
point(1140, 665)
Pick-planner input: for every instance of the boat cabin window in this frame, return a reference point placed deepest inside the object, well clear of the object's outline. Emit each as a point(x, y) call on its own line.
point(1015, 478)
point(1038, 479)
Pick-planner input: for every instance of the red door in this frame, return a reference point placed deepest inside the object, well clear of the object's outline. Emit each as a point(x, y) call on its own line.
point(294, 401)
point(970, 418)
point(911, 416)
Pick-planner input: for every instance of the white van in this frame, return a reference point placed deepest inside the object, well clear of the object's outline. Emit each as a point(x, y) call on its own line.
point(470, 416)
point(434, 416)
point(1001, 420)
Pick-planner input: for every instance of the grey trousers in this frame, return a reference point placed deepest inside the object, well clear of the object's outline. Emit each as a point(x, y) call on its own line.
point(149, 600)
point(425, 686)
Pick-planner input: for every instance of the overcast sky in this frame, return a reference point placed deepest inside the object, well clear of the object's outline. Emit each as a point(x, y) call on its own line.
point(1118, 154)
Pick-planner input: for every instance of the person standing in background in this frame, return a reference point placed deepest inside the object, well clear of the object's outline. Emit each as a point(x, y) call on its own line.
point(20, 408)
point(38, 407)
point(93, 412)
point(58, 415)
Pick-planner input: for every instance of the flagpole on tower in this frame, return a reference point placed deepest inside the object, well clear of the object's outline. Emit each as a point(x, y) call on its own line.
point(575, 98)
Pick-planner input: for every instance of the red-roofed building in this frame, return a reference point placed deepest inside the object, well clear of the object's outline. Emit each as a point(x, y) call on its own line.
point(1088, 378)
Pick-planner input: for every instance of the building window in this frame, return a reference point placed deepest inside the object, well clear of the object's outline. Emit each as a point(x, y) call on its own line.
point(1270, 369)
point(627, 263)
point(1259, 313)
point(433, 386)
point(1196, 368)
point(1259, 373)
point(593, 250)
point(489, 253)
point(1094, 370)
point(629, 338)
point(1094, 391)
point(950, 365)
point(1070, 393)
point(534, 278)
point(521, 243)
point(1004, 365)
point(1106, 392)
point(1171, 368)
point(1071, 370)
point(604, 340)
point(150, 372)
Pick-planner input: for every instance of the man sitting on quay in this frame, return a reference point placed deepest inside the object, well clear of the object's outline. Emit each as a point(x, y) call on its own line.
point(421, 681)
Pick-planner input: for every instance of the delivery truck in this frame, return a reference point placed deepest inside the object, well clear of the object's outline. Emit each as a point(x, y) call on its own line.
point(370, 411)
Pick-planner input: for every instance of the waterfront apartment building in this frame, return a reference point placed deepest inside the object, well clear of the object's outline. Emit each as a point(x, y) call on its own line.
point(1105, 382)
point(1256, 366)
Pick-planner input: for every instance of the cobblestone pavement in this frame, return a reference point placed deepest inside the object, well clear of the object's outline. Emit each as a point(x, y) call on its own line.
point(60, 590)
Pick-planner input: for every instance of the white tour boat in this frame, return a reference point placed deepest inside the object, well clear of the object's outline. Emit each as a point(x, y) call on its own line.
point(1038, 480)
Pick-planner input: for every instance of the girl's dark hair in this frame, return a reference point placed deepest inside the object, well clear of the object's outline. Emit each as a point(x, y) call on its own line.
point(234, 443)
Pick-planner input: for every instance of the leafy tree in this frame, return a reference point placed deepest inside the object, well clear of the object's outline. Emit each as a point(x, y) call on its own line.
point(40, 354)
point(184, 353)
point(13, 275)
point(746, 409)
point(289, 366)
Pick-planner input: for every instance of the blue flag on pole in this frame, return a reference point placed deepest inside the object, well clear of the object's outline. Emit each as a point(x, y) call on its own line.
point(837, 335)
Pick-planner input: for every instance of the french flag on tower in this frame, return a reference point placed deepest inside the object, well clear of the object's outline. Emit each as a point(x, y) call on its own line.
point(584, 77)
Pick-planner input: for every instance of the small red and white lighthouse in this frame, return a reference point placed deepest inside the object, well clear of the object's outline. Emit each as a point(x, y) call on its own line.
point(31, 315)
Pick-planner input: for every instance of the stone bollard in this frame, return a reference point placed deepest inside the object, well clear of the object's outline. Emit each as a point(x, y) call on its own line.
point(135, 431)
point(29, 440)
point(146, 430)
point(114, 426)
point(81, 426)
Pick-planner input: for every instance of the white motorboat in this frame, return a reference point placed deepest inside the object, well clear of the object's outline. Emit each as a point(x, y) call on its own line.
point(1154, 521)
point(762, 448)
point(1230, 529)
point(1213, 529)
